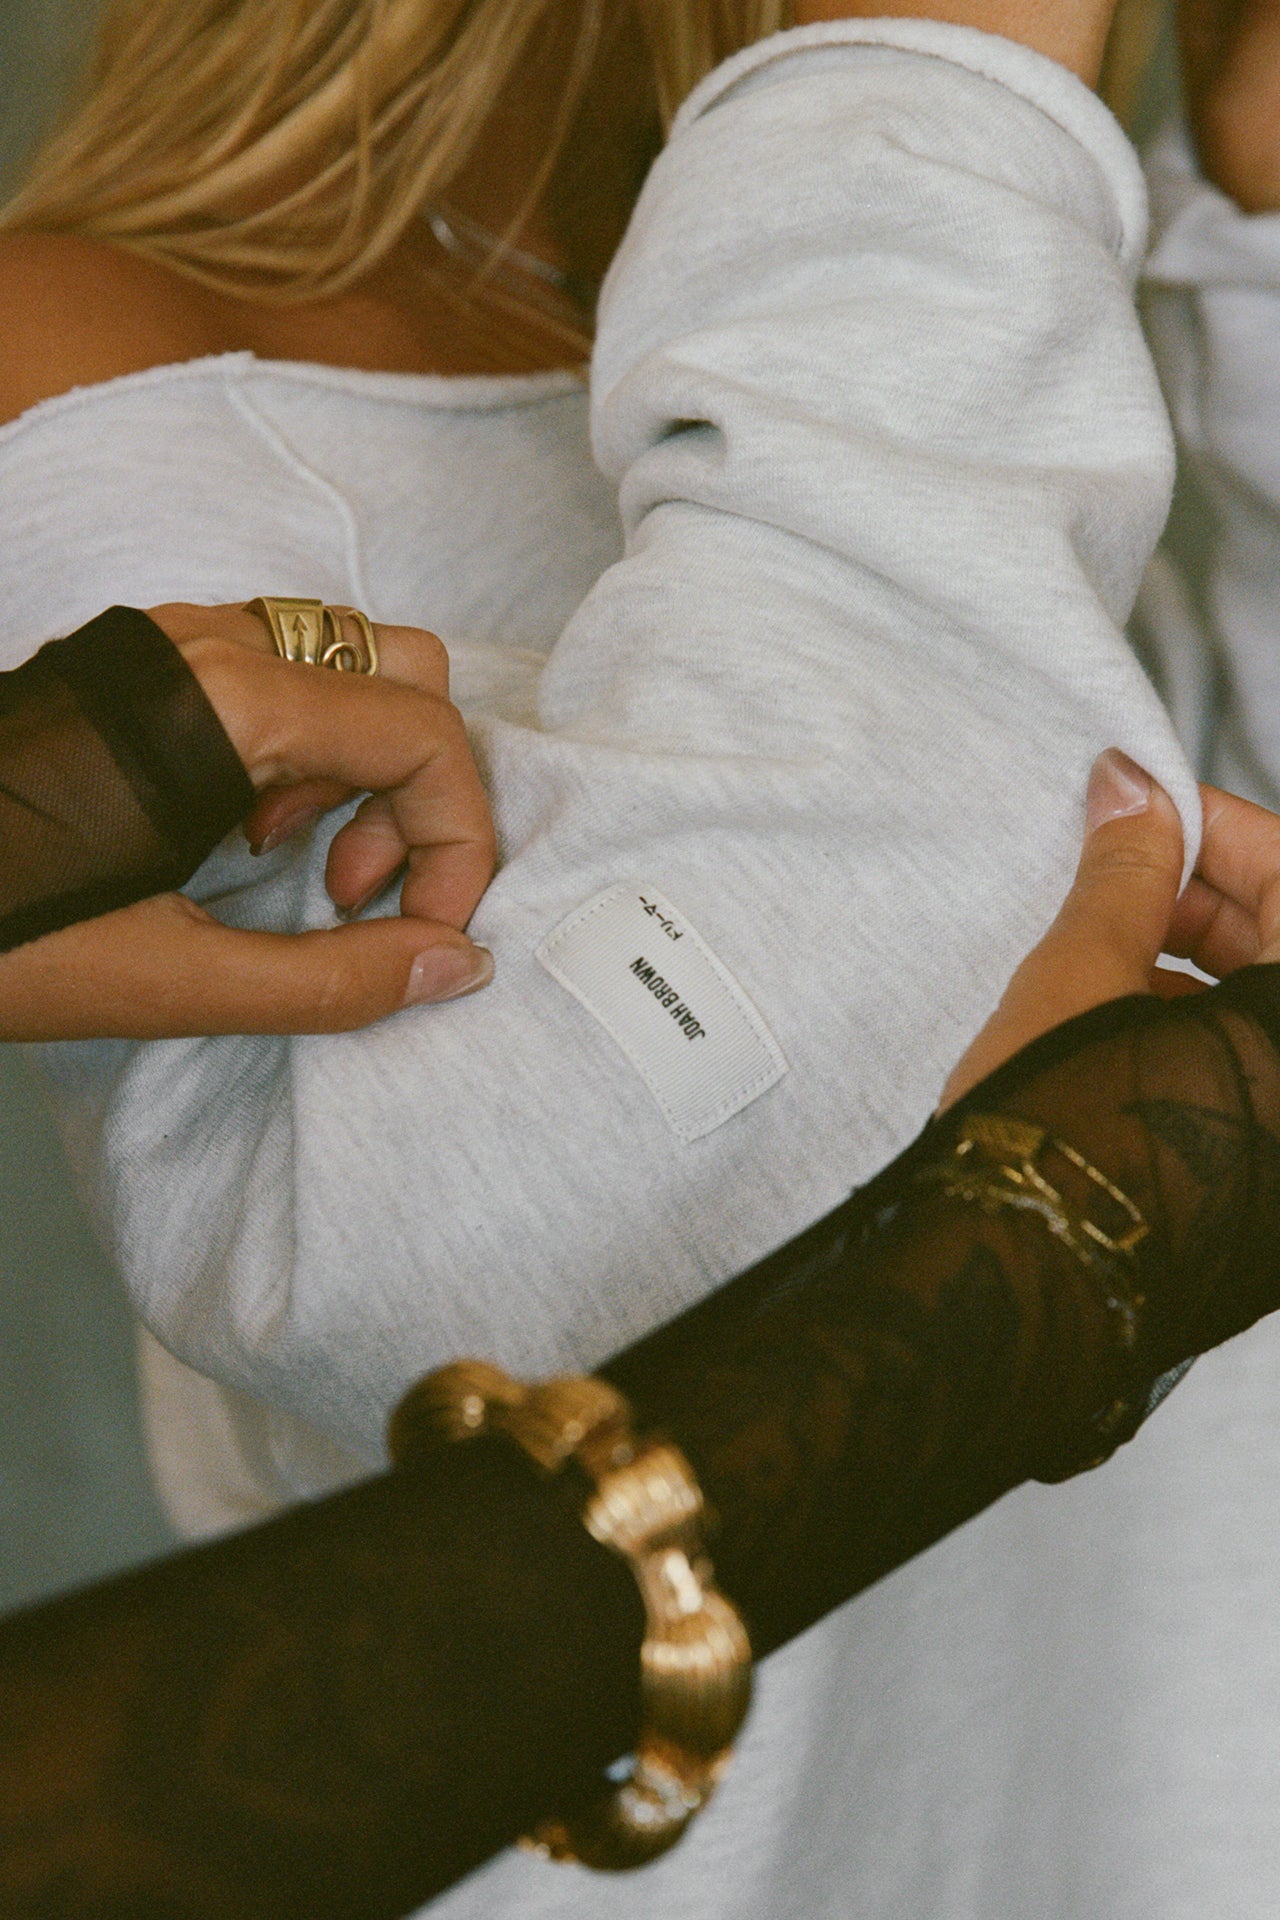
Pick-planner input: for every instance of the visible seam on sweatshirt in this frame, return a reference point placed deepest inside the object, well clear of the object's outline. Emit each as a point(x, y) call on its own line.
point(306, 473)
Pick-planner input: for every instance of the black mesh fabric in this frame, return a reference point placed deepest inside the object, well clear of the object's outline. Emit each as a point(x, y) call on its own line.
point(913, 1356)
point(116, 777)
point(339, 1712)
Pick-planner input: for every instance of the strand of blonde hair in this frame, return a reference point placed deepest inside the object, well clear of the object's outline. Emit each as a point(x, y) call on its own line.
point(280, 148)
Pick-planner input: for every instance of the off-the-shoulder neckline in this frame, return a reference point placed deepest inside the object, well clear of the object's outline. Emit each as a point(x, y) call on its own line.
point(467, 392)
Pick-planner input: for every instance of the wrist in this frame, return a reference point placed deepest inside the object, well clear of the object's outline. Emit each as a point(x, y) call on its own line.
point(1075, 36)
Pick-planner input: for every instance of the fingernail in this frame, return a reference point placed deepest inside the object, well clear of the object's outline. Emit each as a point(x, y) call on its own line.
point(1117, 787)
point(278, 835)
point(445, 973)
point(353, 912)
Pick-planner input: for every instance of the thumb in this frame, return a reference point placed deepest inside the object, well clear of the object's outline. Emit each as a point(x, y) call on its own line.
point(1111, 927)
point(1114, 921)
point(164, 969)
point(329, 982)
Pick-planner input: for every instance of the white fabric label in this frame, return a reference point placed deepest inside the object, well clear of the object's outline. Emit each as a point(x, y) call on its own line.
point(680, 1017)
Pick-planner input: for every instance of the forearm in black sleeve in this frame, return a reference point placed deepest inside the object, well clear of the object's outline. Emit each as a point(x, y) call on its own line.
point(116, 777)
point(340, 1712)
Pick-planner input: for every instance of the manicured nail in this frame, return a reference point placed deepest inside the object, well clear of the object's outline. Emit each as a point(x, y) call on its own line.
point(445, 973)
point(286, 831)
point(1117, 787)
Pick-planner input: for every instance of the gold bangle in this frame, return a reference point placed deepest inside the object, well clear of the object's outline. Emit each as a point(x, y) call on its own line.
point(997, 1162)
point(646, 1506)
point(312, 633)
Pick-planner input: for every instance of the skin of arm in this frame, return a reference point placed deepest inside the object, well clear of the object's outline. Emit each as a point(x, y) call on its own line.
point(1231, 68)
point(1073, 35)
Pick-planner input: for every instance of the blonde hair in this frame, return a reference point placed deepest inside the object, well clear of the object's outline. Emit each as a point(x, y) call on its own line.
point(280, 148)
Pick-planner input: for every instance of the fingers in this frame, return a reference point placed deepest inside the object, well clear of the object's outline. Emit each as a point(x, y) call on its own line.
point(366, 854)
point(408, 655)
point(281, 812)
point(1229, 915)
point(1122, 910)
point(435, 822)
point(164, 970)
point(1111, 927)
point(1113, 923)
point(311, 739)
point(294, 724)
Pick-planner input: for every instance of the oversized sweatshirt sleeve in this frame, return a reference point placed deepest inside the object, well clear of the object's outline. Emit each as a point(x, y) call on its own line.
point(799, 783)
point(1210, 610)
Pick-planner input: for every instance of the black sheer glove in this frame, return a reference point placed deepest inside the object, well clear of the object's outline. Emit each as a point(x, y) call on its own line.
point(338, 1713)
point(116, 776)
point(986, 1312)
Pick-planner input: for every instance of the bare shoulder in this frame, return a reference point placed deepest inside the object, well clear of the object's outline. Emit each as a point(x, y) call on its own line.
point(75, 312)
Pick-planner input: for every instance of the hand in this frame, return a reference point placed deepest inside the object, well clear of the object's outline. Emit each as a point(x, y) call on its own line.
point(1124, 910)
point(1231, 82)
point(308, 738)
point(311, 739)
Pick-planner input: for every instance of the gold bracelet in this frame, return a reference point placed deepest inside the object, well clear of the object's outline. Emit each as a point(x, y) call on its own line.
point(997, 1162)
point(695, 1663)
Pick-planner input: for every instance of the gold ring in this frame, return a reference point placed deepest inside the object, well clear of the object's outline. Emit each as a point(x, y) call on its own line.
point(312, 633)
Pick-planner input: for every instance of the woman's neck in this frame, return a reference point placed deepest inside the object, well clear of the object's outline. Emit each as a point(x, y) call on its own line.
point(429, 308)
point(420, 312)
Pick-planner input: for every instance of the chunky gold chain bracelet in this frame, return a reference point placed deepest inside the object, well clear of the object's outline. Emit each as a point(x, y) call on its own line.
point(999, 1162)
point(646, 1506)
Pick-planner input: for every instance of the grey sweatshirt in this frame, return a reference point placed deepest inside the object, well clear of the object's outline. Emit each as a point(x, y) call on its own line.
point(786, 706)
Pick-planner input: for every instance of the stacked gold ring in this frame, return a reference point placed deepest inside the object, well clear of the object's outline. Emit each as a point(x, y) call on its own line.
point(646, 1506)
point(312, 633)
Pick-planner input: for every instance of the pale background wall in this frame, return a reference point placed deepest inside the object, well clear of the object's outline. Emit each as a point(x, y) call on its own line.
point(74, 1497)
point(40, 44)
